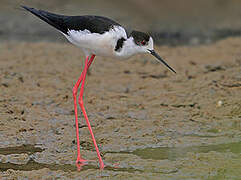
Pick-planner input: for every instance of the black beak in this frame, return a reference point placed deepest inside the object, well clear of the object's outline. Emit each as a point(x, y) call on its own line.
point(160, 59)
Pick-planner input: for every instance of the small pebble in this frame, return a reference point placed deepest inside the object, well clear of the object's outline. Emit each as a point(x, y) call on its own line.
point(220, 103)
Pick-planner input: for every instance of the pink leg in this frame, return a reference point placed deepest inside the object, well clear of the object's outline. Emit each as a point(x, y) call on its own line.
point(75, 90)
point(85, 115)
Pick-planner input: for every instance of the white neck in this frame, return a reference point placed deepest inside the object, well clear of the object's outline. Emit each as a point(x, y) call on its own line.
point(129, 49)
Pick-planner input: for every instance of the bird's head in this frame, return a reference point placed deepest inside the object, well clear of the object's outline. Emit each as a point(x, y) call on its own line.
point(144, 44)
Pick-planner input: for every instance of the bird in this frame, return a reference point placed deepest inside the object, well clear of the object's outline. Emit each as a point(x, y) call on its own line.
point(96, 36)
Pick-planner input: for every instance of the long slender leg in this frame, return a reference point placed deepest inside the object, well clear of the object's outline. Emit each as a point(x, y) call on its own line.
point(85, 115)
point(75, 90)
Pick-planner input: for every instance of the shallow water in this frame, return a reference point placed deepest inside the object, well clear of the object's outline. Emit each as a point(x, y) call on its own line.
point(28, 148)
point(161, 153)
point(174, 153)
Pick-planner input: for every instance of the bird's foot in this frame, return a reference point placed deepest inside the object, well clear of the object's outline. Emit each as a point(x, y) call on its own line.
point(81, 162)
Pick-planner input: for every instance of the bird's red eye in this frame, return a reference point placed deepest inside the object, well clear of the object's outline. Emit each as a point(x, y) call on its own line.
point(143, 42)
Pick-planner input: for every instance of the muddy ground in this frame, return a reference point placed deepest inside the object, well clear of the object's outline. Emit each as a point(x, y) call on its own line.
point(149, 123)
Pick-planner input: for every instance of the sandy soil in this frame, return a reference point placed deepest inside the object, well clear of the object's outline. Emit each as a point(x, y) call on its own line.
point(138, 109)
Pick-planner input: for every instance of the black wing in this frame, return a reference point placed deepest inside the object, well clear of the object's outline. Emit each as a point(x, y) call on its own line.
point(95, 24)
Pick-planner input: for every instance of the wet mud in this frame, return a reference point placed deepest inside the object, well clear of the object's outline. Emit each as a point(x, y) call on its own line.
point(148, 122)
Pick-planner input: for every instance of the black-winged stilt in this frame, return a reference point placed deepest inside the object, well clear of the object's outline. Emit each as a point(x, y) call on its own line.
point(96, 35)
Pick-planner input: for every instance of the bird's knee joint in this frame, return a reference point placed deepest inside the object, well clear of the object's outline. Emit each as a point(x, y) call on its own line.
point(81, 102)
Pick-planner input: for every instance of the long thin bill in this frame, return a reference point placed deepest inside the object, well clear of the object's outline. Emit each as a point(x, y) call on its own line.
point(160, 59)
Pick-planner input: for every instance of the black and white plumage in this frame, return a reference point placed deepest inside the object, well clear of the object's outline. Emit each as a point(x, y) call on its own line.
point(96, 35)
point(99, 35)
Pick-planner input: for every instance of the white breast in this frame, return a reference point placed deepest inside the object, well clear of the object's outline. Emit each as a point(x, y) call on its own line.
point(95, 43)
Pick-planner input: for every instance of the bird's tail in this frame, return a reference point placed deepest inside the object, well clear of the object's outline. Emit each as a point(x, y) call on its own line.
point(54, 20)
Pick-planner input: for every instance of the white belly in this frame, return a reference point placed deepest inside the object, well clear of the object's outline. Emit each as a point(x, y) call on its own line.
point(95, 43)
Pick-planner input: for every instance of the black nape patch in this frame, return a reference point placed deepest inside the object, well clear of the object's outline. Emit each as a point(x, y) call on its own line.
point(139, 37)
point(119, 44)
